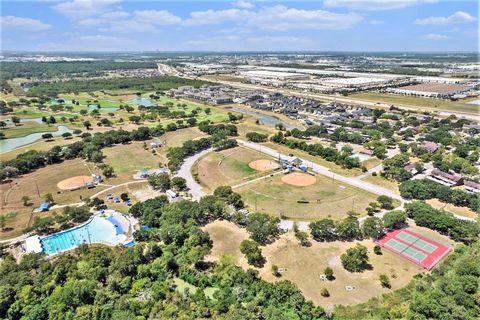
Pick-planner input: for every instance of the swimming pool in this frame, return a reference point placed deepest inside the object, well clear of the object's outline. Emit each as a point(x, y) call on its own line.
point(97, 230)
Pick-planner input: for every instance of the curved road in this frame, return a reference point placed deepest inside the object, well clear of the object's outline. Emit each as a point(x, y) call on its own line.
point(185, 172)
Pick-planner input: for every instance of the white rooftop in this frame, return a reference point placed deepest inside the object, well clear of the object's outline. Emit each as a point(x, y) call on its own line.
point(32, 244)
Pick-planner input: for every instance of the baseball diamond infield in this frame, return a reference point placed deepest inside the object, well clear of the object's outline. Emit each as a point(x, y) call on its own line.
point(299, 179)
point(263, 165)
point(74, 182)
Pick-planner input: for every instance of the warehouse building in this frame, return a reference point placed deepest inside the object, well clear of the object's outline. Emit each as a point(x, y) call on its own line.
point(432, 90)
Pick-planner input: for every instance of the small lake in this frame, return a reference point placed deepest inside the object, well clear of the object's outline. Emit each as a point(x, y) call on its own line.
point(59, 102)
point(143, 102)
point(92, 107)
point(265, 119)
point(14, 143)
point(23, 120)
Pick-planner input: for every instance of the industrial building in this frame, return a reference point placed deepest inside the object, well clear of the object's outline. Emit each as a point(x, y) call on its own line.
point(432, 90)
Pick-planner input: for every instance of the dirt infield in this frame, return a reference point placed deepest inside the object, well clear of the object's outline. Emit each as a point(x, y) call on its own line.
point(299, 179)
point(74, 182)
point(263, 165)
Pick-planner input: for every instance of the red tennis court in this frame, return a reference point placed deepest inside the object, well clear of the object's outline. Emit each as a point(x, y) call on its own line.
point(420, 250)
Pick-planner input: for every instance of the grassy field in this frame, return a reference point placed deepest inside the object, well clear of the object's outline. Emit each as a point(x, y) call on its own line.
point(382, 182)
point(36, 185)
point(226, 237)
point(227, 167)
point(24, 129)
point(39, 146)
point(127, 159)
point(309, 262)
point(420, 103)
point(326, 198)
point(461, 211)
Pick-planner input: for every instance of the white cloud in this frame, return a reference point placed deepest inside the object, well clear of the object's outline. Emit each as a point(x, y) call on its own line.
point(243, 4)
point(434, 36)
point(457, 17)
point(157, 17)
point(371, 5)
point(78, 9)
point(22, 24)
point(95, 42)
point(375, 22)
point(278, 18)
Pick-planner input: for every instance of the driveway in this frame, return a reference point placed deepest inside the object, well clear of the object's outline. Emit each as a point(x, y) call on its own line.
point(185, 172)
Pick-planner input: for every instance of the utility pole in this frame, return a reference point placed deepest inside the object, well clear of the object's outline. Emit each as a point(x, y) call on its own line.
point(36, 185)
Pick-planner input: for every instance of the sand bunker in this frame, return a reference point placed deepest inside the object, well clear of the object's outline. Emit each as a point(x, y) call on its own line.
point(299, 179)
point(263, 165)
point(74, 182)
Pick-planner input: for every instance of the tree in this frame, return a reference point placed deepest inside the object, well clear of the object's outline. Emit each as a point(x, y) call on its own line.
point(15, 120)
point(124, 196)
point(302, 238)
point(179, 183)
point(49, 198)
point(323, 230)
point(3, 223)
point(159, 181)
point(47, 136)
point(385, 281)
point(275, 270)
point(377, 250)
point(252, 252)
point(328, 272)
point(67, 135)
point(349, 229)
point(355, 259)
point(394, 219)
point(25, 200)
point(262, 227)
point(372, 227)
point(324, 292)
point(87, 124)
point(108, 171)
point(385, 202)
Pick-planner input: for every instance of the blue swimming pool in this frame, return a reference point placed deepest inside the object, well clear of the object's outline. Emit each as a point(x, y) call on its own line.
point(97, 230)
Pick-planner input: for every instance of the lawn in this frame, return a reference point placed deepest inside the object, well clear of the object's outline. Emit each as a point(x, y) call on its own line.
point(39, 146)
point(227, 167)
point(326, 198)
point(461, 211)
point(303, 265)
point(37, 184)
point(382, 182)
point(226, 237)
point(420, 103)
point(127, 159)
point(26, 128)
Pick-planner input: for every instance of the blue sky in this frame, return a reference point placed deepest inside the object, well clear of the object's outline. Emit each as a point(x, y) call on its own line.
point(328, 25)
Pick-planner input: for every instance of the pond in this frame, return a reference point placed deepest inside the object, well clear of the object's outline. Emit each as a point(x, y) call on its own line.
point(92, 107)
point(143, 102)
point(14, 143)
point(60, 102)
point(265, 119)
point(23, 120)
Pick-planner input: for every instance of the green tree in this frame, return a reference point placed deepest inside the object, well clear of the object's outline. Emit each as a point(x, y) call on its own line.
point(328, 272)
point(159, 181)
point(252, 252)
point(25, 200)
point(179, 183)
point(49, 198)
point(355, 259)
point(394, 219)
point(108, 171)
point(385, 281)
point(262, 227)
point(323, 230)
point(372, 227)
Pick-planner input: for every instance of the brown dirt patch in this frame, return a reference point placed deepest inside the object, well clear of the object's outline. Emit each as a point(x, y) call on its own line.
point(263, 165)
point(299, 179)
point(74, 182)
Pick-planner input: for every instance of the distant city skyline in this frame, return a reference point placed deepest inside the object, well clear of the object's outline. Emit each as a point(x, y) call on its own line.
point(329, 25)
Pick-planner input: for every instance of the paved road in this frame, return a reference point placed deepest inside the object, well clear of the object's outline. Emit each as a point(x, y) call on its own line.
point(185, 172)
